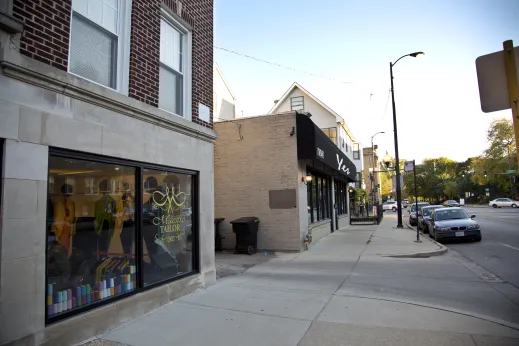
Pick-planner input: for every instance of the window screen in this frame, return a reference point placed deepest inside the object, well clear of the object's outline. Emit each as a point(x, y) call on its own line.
point(171, 77)
point(297, 103)
point(93, 52)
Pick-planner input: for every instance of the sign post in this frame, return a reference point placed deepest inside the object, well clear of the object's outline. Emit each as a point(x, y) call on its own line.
point(408, 167)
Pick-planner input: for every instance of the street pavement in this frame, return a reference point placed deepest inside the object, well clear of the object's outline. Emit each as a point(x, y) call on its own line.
point(347, 289)
point(498, 250)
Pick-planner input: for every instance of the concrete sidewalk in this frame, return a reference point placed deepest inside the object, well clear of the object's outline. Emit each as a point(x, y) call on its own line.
point(389, 241)
point(304, 299)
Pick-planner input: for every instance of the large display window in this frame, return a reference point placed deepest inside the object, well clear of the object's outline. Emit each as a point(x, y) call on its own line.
point(114, 228)
point(167, 225)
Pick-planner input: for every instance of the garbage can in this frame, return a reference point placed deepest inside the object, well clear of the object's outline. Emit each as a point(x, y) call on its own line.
point(217, 236)
point(246, 230)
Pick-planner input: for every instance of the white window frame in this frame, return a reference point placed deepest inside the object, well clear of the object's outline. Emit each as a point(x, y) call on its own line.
point(187, 58)
point(122, 70)
point(302, 100)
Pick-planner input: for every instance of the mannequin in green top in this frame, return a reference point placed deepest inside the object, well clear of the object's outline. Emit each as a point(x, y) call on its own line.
point(104, 217)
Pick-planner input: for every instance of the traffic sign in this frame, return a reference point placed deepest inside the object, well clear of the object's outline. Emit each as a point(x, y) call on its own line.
point(511, 171)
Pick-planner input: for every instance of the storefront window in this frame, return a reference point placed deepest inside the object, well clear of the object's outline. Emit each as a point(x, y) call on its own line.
point(167, 233)
point(96, 247)
point(90, 233)
point(318, 200)
point(340, 197)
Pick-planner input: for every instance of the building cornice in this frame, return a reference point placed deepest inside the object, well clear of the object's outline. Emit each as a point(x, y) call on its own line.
point(17, 66)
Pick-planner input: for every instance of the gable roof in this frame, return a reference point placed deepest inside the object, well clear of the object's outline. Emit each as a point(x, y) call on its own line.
point(322, 104)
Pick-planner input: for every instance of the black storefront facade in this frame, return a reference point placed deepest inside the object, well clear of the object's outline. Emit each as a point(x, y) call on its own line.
point(330, 170)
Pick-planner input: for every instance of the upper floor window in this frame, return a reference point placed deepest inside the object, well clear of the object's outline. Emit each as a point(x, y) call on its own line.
point(297, 103)
point(99, 42)
point(356, 151)
point(331, 133)
point(174, 75)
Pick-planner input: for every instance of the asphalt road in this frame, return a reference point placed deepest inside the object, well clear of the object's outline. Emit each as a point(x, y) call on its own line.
point(498, 251)
point(482, 277)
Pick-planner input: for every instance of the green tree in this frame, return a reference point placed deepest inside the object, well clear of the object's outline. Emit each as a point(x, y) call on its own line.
point(451, 189)
point(499, 156)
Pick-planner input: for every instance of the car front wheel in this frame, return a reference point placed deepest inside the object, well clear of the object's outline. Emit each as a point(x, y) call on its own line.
point(514, 205)
point(494, 205)
point(393, 209)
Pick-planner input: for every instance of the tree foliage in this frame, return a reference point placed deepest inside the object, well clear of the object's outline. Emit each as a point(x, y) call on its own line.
point(441, 178)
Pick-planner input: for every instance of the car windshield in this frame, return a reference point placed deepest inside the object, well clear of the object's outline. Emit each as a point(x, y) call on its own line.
point(453, 214)
point(413, 208)
point(427, 211)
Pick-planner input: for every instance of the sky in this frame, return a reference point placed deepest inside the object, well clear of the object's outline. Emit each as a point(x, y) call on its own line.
point(350, 43)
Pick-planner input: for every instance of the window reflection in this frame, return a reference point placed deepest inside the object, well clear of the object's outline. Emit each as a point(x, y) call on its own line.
point(91, 232)
point(167, 225)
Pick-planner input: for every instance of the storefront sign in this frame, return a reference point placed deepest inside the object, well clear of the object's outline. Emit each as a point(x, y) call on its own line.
point(313, 144)
point(342, 167)
point(320, 153)
point(169, 225)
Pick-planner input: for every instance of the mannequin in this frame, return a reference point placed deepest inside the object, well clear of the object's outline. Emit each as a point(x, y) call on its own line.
point(104, 217)
point(128, 231)
point(65, 219)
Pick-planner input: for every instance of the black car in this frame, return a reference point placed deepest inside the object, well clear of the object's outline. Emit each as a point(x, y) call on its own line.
point(453, 223)
point(412, 212)
point(451, 203)
point(424, 217)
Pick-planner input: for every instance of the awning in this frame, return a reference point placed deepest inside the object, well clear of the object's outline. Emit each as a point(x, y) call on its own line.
point(313, 144)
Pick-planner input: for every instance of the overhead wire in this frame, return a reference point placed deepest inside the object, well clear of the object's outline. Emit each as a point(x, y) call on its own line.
point(282, 66)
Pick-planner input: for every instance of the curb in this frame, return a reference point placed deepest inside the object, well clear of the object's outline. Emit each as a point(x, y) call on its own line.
point(486, 318)
point(442, 249)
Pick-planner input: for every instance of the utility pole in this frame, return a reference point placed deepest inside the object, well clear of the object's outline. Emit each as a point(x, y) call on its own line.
point(513, 88)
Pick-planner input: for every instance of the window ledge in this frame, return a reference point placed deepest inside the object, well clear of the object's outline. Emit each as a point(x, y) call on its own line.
point(10, 24)
point(319, 224)
point(17, 66)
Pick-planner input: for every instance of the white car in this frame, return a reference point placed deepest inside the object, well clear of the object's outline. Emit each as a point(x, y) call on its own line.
point(389, 206)
point(503, 202)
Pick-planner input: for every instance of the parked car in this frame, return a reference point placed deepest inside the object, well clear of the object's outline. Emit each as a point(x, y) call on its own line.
point(453, 223)
point(451, 203)
point(503, 202)
point(412, 212)
point(389, 206)
point(424, 217)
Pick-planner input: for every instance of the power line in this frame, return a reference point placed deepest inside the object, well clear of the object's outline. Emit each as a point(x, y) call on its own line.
point(282, 66)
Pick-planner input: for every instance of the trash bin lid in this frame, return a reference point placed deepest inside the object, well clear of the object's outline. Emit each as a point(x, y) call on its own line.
point(246, 219)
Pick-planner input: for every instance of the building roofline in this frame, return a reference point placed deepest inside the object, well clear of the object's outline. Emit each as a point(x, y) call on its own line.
point(313, 97)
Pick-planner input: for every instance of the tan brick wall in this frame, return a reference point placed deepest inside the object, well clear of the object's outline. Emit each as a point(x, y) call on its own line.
point(247, 169)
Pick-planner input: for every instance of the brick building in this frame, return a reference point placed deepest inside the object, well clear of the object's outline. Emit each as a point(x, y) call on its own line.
point(285, 170)
point(106, 161)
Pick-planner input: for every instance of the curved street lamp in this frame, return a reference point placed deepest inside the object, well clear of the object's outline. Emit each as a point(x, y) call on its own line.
point(397, 162)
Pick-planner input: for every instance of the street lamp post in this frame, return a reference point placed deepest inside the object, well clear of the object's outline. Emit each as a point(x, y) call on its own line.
point(397, 161)
point(373, 165)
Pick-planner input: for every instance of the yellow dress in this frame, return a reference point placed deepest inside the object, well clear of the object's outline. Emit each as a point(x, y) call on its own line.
point(64, 225)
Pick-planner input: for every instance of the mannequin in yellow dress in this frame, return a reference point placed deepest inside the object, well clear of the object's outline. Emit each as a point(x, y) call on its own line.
point(65, 218)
